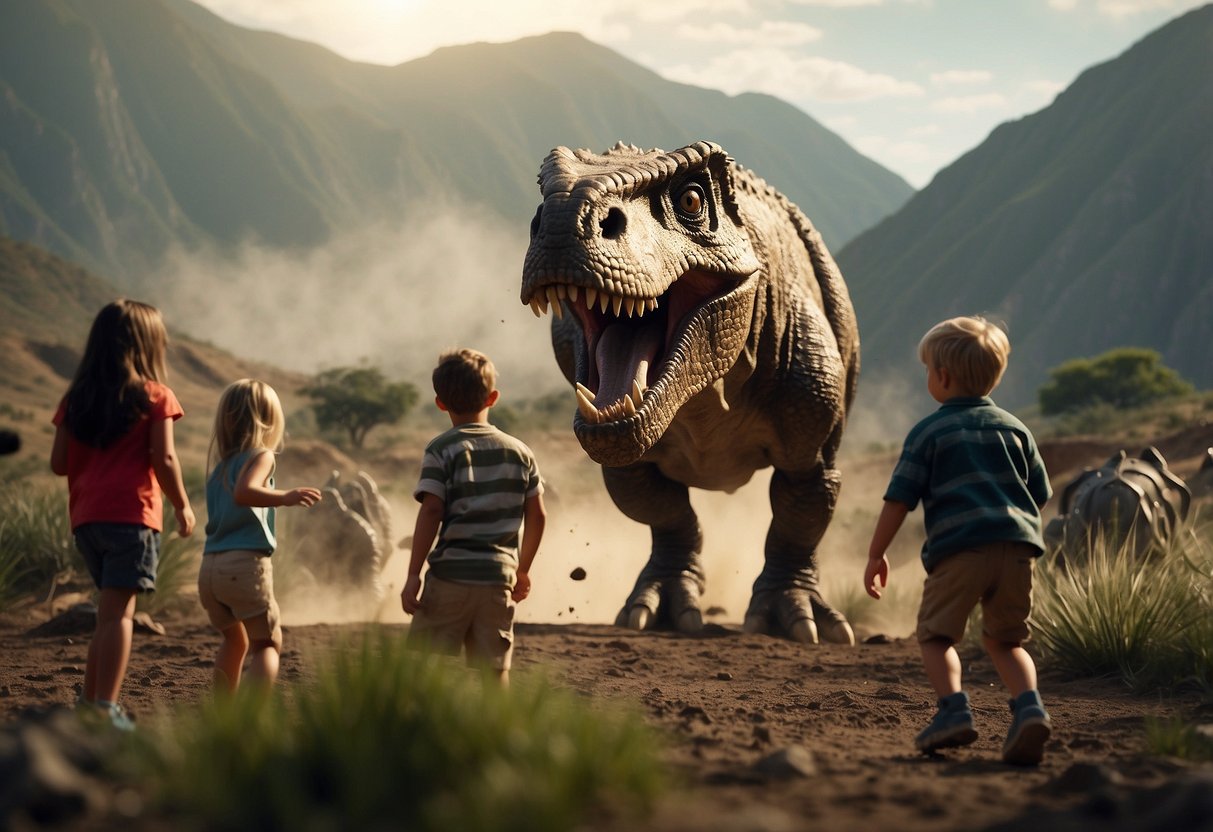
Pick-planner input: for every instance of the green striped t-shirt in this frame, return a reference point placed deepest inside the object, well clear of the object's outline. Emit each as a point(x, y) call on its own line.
point(484, 477)
point(978, 474)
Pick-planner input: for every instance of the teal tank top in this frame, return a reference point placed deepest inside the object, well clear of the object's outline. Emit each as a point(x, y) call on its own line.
point(228, 525)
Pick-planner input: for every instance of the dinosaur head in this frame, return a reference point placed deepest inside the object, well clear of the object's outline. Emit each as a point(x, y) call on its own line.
point(644, 261)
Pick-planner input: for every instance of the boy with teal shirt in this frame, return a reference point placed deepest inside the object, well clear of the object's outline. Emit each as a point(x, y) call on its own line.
point(976, 470)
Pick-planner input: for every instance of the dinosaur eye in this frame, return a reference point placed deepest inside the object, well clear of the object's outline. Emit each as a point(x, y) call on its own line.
point(690, 201)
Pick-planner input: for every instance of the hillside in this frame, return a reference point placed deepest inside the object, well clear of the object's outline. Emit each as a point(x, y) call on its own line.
point(133, 126)
point(44, 321)
point(1084, 226)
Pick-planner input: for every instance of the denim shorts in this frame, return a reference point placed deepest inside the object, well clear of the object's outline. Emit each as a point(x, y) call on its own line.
point(120, 555)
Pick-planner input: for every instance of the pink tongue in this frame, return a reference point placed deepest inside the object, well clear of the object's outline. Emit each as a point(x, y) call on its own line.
point(621, 348)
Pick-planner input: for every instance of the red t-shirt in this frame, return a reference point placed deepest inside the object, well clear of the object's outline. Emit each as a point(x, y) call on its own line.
point(117, 484)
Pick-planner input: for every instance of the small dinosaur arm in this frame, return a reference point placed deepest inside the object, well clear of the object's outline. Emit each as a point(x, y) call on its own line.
point(709, 335)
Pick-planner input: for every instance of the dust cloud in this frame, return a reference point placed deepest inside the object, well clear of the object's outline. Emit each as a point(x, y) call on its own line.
point(393, 295)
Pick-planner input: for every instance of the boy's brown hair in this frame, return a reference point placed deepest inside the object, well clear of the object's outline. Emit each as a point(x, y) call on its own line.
point(464, 379)
point(973, 350)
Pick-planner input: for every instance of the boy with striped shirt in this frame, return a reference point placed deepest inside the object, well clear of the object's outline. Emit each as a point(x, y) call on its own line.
point(478, 487)
point(977, 472)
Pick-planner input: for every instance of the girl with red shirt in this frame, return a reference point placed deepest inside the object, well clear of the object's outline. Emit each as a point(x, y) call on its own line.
point(114, 443)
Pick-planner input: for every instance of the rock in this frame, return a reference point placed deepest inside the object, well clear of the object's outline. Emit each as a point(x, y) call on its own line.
point(786, 763)
point(144, 622)
point(577, 574)
point(78, 619)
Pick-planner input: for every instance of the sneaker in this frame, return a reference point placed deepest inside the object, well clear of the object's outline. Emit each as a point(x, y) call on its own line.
point(1030, 729)
point(108, 714)
point(952, 726)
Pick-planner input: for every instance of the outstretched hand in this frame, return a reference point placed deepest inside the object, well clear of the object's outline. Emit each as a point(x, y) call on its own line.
point(306, 497)
point(877, 570)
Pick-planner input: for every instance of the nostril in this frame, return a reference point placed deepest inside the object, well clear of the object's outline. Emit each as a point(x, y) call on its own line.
point(614, 224)
point(535, 222)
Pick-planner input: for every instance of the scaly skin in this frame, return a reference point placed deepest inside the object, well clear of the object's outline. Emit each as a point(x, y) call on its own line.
point(709, 335)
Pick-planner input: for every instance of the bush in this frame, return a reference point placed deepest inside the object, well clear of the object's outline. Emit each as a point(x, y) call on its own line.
point(1146, 621)
point(391, 738)
point(36, 541)
point(1126, 377)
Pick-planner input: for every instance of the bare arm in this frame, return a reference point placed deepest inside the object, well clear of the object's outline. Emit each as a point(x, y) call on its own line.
point(429, 520)
point(167, 467)
point(534, 519)
point(59, 451)
point(251, 488)
point(887, 525)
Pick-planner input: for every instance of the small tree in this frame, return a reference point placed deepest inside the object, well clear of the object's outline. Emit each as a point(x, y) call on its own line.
point(357, 399)
point(1125, 377)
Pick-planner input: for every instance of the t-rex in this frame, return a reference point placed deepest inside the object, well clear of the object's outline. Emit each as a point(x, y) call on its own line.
point(709, 335)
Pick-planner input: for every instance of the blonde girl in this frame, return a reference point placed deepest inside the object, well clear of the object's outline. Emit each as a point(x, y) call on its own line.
point(114, 443)
point(236, 581)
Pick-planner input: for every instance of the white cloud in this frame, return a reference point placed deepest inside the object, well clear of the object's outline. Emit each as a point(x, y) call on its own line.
point(1063, 5)
point(1119, 9)
point(969, 104)
point(775, 33)
point(924, 130)
point(961, 77)
point(840, 123)
point(790, 76)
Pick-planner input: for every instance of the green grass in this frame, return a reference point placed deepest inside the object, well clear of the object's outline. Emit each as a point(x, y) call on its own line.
point(1144, 621)
point(176, 570)
point(1177, 738)
point(36, 543)
point(391, 738)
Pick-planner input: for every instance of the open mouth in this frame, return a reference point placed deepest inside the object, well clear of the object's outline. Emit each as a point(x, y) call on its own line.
point(628, 341)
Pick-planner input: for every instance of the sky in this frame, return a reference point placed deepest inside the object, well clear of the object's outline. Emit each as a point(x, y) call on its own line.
point(913, 84)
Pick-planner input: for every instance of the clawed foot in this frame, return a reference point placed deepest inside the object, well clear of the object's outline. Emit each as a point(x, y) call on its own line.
point(672, 602)
point(795, 615)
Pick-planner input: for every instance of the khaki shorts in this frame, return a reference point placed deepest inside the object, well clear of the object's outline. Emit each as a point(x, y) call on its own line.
point(997, 575)
point(475, 617)
point(238, 587)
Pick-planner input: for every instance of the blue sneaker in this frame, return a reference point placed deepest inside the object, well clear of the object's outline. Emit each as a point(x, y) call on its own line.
point(951, 727)
point(108, 714)
point(1030, 730)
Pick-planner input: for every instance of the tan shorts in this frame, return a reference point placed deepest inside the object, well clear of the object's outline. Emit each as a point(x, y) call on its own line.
point(997, 575)
point(474, 617)
point(238, 586)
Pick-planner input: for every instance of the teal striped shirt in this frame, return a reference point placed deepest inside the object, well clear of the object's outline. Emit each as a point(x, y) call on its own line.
point(978, 474)
point(484, 477)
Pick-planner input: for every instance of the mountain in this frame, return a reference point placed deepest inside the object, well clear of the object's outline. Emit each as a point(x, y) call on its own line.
point(1085, 226)
point(131, 126)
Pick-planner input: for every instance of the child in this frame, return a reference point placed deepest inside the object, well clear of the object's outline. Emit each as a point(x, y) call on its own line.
point(479, 485)
point(114, 442)
point(236, 581)
point(976, 470)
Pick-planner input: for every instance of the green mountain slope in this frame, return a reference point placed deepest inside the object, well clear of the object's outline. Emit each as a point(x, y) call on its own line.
point(129, 126)
point(1084, 226)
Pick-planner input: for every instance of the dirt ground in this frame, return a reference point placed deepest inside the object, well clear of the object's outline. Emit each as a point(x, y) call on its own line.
point(726, 701)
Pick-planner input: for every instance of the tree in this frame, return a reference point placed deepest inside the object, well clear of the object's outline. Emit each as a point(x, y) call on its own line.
point(357, 399)
point(1125, 377)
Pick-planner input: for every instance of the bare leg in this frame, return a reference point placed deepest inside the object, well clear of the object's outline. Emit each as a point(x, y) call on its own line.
point(263, 665)
point(942, 663)
point(230, 658)
point(110, 650)
point(1014, 665)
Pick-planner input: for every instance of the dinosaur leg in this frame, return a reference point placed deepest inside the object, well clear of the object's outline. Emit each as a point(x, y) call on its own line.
point(786, 600)
point(668, 589)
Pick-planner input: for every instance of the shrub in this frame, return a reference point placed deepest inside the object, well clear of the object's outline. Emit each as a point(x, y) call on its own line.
point(1122, 378)
point(391, 738)
point(356, 399)
point(36, 537)
point(1146, 621)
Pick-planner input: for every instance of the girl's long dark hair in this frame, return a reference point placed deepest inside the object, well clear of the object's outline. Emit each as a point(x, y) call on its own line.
point(125, 348)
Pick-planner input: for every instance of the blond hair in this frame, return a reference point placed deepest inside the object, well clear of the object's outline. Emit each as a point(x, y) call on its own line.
point(973, 350)
point(464, 379)
point(249, 417)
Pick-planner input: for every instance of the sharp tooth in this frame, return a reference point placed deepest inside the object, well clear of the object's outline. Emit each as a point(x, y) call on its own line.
point(572, 293)
point(630, 305)
point(587, 392)
point(588, 411)
point(641, 306)
point(554, 299)
point(616, 304)
point(652, 304)
point(637, 393)
point(562, 292)
point(543, 304)
point(591, 295)
point(604, 300)
point(535, 308)
point(629, 407)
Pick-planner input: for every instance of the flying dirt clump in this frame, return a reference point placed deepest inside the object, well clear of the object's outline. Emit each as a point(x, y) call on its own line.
point(708, 334)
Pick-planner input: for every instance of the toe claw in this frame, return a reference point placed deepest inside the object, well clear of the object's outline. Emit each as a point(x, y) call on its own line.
point(804, 631)
point(638, 618)
point(838, 632)
point(690, 621)
point(754, 624)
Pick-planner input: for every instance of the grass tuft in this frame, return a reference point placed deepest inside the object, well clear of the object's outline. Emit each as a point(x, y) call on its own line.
point(391, 738)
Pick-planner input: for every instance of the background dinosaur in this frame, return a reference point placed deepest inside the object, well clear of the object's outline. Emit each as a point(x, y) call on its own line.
point(709, 335)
